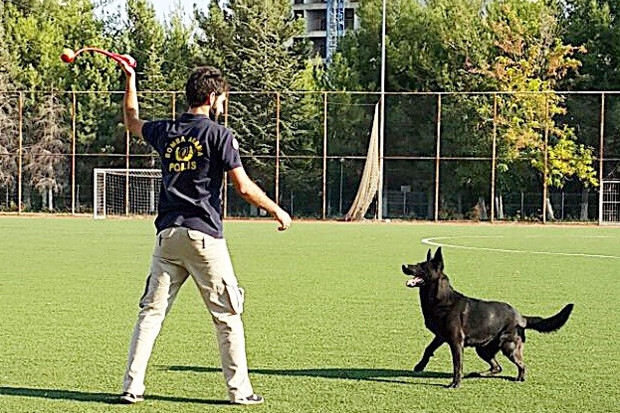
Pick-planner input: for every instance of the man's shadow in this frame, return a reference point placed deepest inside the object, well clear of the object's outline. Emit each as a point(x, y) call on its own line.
point(92, 397)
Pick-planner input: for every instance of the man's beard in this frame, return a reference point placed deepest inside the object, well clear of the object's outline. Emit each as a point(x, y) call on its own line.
point(213, 114)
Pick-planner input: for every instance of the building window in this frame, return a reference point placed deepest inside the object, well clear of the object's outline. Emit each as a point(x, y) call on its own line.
point(299, 14)
point(323, 24)
point(299, 1)
point(349, 19)
point(320, 46)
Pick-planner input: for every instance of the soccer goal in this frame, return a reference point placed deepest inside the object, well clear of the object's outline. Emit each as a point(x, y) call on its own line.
point(609, 207)
point(125, 192)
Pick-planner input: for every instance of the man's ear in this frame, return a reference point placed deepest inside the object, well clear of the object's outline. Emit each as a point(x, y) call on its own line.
point(438, 260)
point(212, 99)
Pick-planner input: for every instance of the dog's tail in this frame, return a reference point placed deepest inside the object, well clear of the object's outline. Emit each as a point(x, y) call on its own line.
point(547, 325)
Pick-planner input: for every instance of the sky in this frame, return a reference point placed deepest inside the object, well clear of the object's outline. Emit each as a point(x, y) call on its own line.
point(163, 7)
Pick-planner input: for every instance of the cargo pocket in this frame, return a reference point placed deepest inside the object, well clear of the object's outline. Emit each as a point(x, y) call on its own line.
point(236, 296)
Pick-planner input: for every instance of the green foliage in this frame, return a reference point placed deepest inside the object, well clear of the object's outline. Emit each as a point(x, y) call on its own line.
point(531, 58)
point(593, 25)
point(48, 136)
point(432, 46)
point(8, 115)
point(251, 42)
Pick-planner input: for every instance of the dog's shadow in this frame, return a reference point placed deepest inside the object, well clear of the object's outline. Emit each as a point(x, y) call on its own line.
point(362, 374)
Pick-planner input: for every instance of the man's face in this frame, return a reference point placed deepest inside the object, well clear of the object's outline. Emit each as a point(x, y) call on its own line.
point(217, 107)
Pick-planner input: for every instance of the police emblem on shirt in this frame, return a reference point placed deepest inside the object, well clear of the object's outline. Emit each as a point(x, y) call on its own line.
point(235, 144)
point(183, 152)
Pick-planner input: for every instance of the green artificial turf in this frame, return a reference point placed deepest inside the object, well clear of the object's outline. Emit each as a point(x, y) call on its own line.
point(330, 326)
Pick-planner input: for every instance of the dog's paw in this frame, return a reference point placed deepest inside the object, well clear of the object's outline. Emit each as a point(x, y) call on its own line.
point(454, 385)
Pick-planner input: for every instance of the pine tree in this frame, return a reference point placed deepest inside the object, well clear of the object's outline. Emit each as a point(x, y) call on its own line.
point(47, 138)
point(8, 121)
point(253, 43)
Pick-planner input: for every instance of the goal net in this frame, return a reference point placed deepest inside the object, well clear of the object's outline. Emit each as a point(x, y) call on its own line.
point(610, 202)
point(125, 192)
point(369, 184)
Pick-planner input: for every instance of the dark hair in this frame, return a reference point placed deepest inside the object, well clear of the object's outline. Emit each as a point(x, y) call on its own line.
point(201, 83)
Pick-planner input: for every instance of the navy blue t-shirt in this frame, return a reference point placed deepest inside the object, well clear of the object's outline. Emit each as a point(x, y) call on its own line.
point(195, 152)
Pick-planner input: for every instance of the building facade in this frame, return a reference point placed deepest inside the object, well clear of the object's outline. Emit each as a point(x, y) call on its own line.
point(326, 21)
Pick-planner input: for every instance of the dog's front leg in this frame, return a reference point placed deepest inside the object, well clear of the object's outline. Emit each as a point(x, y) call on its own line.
point(428, 353)
point(457, 362)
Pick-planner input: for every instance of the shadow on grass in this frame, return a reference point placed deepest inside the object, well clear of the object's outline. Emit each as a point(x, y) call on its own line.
point(376, 375)
point(93, 397)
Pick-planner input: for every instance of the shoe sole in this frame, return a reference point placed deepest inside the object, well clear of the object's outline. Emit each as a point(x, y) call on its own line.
point(128, 400)
point(248, 402)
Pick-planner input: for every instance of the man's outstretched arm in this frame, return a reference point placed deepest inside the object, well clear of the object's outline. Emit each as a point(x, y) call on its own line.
point(254, 195)
point(131, 112)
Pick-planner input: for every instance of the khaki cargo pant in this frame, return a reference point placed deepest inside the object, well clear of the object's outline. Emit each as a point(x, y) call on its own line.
point(181, 252)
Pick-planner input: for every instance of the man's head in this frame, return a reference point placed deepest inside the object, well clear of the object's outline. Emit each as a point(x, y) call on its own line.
point(207, 87)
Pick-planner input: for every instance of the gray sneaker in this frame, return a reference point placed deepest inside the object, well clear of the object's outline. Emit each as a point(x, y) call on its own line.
point(253, 399)
point(129, 398)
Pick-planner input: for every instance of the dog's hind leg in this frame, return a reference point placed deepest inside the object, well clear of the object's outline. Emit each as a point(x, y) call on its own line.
point(428, 353)
point(513, 349)
point(487, 353)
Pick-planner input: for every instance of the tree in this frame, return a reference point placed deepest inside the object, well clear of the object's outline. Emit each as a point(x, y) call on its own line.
point(43, 161)
point(430, 47)
point(8, 120)
point(180, 54)
point(35, 34)
point(530, 61)
point(593, 25)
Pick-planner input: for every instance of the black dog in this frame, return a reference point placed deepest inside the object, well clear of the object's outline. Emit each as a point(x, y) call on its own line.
point(460, 321)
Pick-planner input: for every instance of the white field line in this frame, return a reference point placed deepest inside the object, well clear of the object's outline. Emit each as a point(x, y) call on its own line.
point(433, 242)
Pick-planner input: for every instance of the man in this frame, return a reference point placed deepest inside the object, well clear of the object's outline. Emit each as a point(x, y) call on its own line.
point(195, 151)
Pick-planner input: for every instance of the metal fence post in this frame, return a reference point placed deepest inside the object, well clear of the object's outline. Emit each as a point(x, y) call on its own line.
point(437, 157)
point(277, 173)
point(323, 214)
point(546, 165)
point(493, 157)
point(601, 152)
point(73, 136)
point(173, 105)
point(225, 194)
point(20, 150)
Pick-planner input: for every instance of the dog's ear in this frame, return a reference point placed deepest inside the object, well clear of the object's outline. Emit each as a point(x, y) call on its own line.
point(438, 260)
point(428, 255)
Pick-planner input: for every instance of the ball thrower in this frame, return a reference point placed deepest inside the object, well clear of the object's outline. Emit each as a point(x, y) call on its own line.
point(68, 55)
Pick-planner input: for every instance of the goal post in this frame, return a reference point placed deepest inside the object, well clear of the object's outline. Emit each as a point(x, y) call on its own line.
point(609, 202)
point(122, 192)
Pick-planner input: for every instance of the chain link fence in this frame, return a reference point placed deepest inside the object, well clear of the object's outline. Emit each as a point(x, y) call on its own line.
point(307, 150)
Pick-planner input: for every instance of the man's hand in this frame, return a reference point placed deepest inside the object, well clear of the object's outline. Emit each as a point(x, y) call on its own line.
point(129, 71)
point(254, 195)
point(283, 218)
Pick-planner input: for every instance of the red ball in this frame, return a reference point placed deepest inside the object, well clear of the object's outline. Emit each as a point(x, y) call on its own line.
point(67, 55)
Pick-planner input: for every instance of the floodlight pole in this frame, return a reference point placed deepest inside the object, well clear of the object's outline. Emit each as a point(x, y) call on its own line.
point(381, 117)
